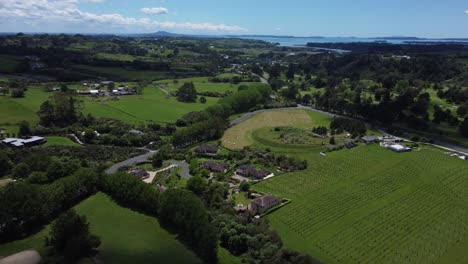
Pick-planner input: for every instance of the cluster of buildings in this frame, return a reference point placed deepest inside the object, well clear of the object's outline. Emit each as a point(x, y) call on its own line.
point(390, 142)
point(103, 89)
point(24, 142)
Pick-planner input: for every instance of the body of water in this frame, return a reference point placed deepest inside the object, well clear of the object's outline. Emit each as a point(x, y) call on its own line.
point(297, 41)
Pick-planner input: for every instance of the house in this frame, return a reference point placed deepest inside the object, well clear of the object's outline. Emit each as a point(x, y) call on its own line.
point(264, 203)
point(20, 142)
point(214, 166)
point(399, 148)
point(369, 139)
point(142, 174)
point(350, 145)
point(248, 171)
point(207, 149)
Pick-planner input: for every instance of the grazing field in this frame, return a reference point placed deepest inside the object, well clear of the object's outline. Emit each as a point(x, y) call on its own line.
point(14, 110)
point(126, 236)
point(60, 141)
point(202, 84)
point(244, 134)
point(371, 205)
point(153, 105)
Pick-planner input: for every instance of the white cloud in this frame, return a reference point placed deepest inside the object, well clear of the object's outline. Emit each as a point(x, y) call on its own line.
point(155, 10)
point(49, 12)
point(466, 11)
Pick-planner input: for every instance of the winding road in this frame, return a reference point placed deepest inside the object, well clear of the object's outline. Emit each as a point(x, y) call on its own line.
point(132, 161)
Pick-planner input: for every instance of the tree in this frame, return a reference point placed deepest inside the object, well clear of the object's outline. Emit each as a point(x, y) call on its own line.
point(332, 141)
point(17, 93)
point(71, 238)
point(24, 130)
point(203, 100)
point(89, 135)
point(306, 99)
point(187, 93)
point(64, 88)
point(4, 164)
point(20, 171)
point(464, 127)
point(462, 111)
point(197, 185)
point(55, 170)
point(4, 91)
point(244, 186)
point(157, 161)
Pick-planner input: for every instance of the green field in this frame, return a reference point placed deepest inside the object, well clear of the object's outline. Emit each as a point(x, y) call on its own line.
point(60, 141)
point(153, 105)
point(127, 236)
point(370, 205)
point(201, 85)
point(14, 110)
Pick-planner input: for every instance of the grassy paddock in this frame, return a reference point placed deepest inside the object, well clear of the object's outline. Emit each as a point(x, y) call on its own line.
point(240, 135)
point(127, 236)
point(60, 141)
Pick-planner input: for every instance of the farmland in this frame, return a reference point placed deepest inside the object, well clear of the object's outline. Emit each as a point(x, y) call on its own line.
point(127, 236)
point(60, 141)
point(240, 135)
point(370, 205)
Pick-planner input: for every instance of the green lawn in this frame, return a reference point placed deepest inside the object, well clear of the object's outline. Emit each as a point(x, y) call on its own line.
point(60, 141)
point(127, 236)
point(14, 110)
point(153, 105)
point(201, 85)
point(371, 205)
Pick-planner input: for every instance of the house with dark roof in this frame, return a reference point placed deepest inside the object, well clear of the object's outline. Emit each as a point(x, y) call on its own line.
point(214, 166)
point(205, 149)
point(369, 139)
point(142, 174)
point(264, 203)
point(249, 171)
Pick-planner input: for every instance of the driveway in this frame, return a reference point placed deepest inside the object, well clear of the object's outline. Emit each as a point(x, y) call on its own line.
point(132, 161)
point(185, 168)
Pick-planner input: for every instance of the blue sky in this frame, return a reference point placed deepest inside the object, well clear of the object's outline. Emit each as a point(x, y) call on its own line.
point(361, 18)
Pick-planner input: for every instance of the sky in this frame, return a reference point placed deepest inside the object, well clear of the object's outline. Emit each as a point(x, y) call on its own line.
point(329, 18)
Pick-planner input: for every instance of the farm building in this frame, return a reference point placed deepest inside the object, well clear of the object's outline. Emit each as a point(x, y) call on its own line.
point(399, 148)
point(248, 171)
point(207, 149)
point(369, 139)
point(20, 142)
point(264, 203)
point(214, 166)
point(142, 174)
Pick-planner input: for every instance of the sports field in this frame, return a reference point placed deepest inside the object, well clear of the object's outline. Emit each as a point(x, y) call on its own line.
point(126, 236)
point(371, 205)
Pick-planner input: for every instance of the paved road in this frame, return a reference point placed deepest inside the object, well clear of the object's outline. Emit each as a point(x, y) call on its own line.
point(132, 161)
point(185, 172)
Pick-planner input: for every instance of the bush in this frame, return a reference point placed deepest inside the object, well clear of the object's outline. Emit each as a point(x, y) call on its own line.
point(20, 171)
point(38, 177)
point(71, 238)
